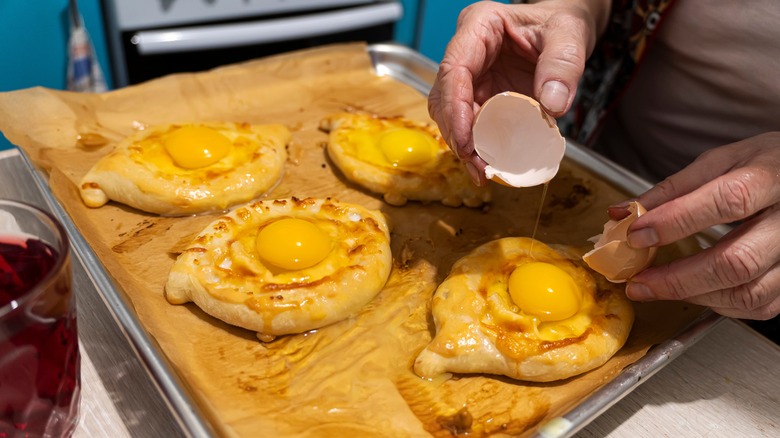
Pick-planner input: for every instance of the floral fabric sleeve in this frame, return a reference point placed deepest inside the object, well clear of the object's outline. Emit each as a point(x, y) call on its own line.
point(629, 32)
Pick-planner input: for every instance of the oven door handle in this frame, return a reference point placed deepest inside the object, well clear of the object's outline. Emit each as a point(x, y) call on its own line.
point(218, 36)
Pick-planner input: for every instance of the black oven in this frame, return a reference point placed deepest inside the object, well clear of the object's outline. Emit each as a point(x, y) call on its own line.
point(152, 38)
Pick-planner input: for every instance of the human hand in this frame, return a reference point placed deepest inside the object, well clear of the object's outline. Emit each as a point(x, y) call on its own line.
point(740, 275)
point(538, 50)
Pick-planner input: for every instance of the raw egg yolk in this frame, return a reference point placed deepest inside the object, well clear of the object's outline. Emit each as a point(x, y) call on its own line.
point(406, 147)
point(292, 244)
point(193, 147)
point(545, 291)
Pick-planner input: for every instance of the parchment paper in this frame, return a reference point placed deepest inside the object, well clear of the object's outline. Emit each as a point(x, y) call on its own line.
point(353, 378)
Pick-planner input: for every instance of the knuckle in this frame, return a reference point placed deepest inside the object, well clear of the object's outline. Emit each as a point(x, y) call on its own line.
point(666, 189)
point(685, 222)
point(447, 67)
point(572, 55)
point(740, 263)
point(477, 11)
point(675, 287)
point(571, 52)
point(747, 296)
point(682, 221)
point(734, 199)
point(709, 154)
point(473, 8)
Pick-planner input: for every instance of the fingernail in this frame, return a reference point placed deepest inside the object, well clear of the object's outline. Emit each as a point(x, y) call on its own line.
point(554, 96)
point(622, 204)
point(617, 213)
point(642, 238)
point(467, 148)
point(474, 173)
point(638, 292)
point(462, 153)
point(451, 144)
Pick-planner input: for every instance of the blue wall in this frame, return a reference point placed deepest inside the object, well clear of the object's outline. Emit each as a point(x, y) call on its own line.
point(34, 35)
point(35, 40)
point(406, 28)
point(437, 22)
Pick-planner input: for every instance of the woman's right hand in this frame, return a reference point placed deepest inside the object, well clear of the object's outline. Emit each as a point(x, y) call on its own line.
point(535, 49)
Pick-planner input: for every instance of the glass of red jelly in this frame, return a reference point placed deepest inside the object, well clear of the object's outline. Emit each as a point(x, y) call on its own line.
point(39, 350)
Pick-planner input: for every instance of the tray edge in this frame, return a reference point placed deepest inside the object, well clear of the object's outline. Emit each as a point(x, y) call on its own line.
point(157, 367)
point(394, 61)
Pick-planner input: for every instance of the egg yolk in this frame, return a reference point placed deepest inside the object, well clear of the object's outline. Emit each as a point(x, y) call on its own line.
point(406, 147)
point(193, 147)
point(293, 244)
point(545, 291)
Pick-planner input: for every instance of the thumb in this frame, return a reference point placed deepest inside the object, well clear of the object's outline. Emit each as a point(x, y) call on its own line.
point(560, 66)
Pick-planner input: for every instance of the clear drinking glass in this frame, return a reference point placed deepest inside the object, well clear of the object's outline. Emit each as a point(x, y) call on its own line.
point(39, 350)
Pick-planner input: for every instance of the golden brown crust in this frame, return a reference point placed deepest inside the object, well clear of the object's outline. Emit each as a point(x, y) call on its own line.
point(126, 175)
point(479, 331)
point(221, 274)
point(443, 180)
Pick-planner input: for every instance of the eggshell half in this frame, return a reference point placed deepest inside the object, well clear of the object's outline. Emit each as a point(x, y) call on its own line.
point(612, 257)
point(520, 143)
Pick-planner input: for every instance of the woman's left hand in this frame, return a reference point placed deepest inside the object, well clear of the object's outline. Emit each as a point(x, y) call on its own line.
point(739, 276)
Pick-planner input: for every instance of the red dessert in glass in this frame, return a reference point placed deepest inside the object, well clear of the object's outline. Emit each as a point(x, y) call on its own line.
point(39, 354)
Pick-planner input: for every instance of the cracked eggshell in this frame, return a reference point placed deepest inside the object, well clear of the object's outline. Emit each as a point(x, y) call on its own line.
point(612, 257)
point(518, 140)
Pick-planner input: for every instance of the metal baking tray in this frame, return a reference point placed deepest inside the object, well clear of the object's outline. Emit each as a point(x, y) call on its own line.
point(410, 67)
point(413, 69)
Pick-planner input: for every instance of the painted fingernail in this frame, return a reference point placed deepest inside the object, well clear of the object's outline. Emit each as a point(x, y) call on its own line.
point(638, 292)
point(554, 96)
point(642, 238)
point(474, 173)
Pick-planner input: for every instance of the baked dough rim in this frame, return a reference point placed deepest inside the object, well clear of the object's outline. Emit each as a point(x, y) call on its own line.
point(329, 302)
point(447, 183)
point(117, 177)
point(613, 320)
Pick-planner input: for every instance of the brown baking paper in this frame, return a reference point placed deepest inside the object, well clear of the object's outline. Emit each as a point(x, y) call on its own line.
point(353, 378)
